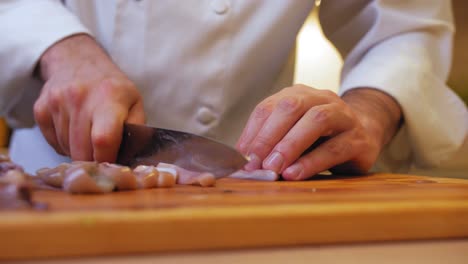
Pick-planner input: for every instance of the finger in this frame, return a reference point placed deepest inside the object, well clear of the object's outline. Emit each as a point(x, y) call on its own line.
point(309, 97)
point(336, 150)
point(256, 120)
point(136, 115)
point(286, 113)
point(321, 120)
point(61, 123)
point(46, 125)
point(106, 132)
point(263, 111)
point(80, 137)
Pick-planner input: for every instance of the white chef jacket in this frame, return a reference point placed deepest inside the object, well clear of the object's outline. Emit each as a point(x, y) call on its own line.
point(202, 65)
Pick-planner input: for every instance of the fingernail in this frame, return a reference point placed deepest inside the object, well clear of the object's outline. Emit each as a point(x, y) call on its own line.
point(294, 172)
point(254, 163)
point(274, 162)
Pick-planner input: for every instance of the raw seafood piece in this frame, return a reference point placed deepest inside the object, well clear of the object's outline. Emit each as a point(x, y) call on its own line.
point(15, 186)
point(54, 176)
point(121, 176)
point(146, 176)
point(259, 175)
point(167, 175)
point(79, 180)
point(93, 177)
point(190, 177)
point(15, 196)
point(84, 177)
point(8, 165)
point(89, 177)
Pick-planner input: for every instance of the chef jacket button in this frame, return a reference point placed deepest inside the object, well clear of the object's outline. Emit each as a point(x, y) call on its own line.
point(205, 115)
point(220, 6)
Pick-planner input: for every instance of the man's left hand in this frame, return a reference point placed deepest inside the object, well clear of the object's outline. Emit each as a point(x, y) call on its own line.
point(287, 123)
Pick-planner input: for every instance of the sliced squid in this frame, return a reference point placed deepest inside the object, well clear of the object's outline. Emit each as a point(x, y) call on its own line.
point(167, 175)
point(79, 180)
point(121, 176)
point(93, 177)
point(15, 186)
point(146, 176)
point(53, 176)
point(89, 177)
point(188, 177)
point(258, 175)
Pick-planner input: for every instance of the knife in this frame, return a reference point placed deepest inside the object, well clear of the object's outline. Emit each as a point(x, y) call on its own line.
point(145, 145)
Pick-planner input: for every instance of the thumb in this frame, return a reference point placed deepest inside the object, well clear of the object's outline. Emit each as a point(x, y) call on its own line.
point(136, 114)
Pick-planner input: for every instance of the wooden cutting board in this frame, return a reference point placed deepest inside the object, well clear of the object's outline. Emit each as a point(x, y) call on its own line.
point(3, 133)
point(239, 214)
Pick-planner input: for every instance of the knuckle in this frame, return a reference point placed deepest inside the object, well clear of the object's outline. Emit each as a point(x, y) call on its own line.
point(55, 99)
point(40, 112)
point(263, 110)
point(297, 88)
point(290, 104)
point(300, 86)
point(76, 95)
point(112, 86)
point(289, 88)
point(320, 114)
point(120, 89)
point(338, 148)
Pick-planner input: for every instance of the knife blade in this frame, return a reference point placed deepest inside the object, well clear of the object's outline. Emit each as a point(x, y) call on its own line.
point(145, 145)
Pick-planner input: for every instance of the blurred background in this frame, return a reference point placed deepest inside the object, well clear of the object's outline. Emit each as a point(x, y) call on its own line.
point(318, 63)
point(458, 79)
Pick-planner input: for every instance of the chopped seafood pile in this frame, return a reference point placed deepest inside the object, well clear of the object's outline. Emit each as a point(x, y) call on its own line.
point(93, 177)
point(16, 186)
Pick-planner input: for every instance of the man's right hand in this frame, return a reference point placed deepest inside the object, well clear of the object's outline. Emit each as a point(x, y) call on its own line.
point(85, 100)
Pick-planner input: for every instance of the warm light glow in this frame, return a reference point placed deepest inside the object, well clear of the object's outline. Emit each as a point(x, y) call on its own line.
point(318, 64)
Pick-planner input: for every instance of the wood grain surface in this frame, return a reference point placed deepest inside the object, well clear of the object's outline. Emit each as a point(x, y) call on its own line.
point(239, 214)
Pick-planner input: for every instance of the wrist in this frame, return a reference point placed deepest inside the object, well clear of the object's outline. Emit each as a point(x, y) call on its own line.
point(63, 53)
point(378, 112)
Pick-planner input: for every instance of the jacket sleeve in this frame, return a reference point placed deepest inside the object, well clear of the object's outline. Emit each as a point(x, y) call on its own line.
point(27, 29)
point(403, 48)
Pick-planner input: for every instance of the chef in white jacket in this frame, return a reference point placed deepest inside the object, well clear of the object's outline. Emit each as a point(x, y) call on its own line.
point(76, 70)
